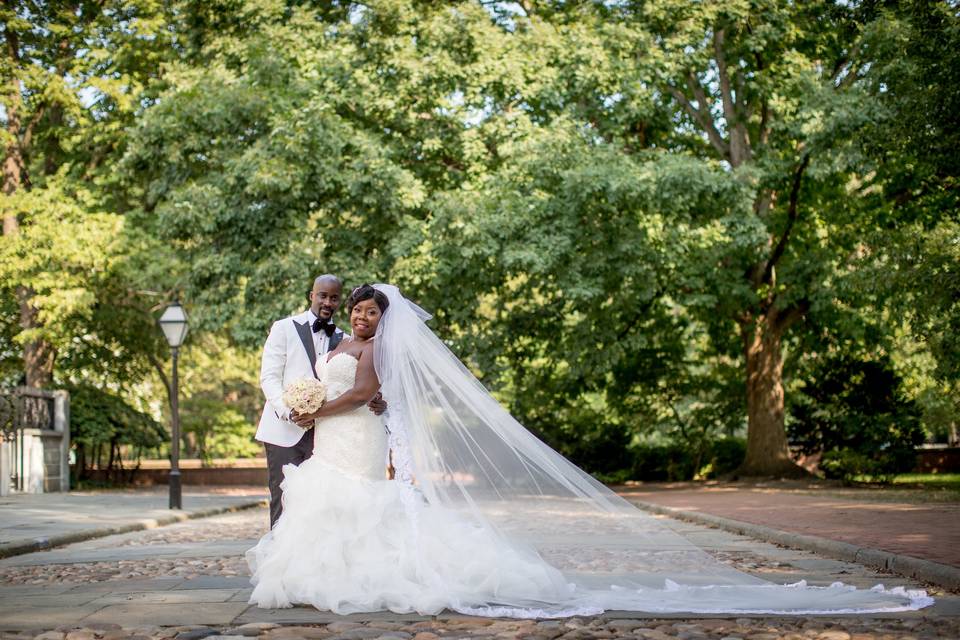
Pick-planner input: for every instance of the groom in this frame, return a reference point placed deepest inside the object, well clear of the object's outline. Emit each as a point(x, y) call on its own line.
point(290, 354)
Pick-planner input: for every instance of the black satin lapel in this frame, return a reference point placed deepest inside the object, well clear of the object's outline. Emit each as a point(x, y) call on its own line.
point(306, 337)
point(334, 340)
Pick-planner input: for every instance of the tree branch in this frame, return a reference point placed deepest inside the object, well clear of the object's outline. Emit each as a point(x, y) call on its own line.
point(726, 94)
point(763, 133)
point(765, 199)
point(764, 122)
point(14, 168)
point(701, 115)
point(163, 376)
point(792, 215)
point(641, 312)
point(732, 106)
point(744, 109)
point(28, 131)
point(785, 318)
point(845, 62)
point(706, 117)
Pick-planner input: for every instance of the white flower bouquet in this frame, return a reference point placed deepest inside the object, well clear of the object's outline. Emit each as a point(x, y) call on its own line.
point(305, 396)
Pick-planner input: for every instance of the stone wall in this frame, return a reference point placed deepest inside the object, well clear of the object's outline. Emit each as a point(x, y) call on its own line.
point(945, 460)
point(215, 476)
point(34, 454)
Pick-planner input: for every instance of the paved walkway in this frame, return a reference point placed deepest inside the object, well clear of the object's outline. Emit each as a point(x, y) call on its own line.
point(189, 580)
point(930, 531)
point(34, 521)
point(154, 582)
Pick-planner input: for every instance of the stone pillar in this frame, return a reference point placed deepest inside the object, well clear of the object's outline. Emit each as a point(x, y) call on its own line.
point(6, 466)
point(34, 470)
point(8, 447)
point(61, 424)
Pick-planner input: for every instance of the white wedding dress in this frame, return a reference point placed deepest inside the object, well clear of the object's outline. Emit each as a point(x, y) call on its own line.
point(349, 540)
point(484, 518)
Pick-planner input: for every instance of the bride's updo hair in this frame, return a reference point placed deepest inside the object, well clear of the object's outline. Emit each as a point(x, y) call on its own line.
point(366, 292)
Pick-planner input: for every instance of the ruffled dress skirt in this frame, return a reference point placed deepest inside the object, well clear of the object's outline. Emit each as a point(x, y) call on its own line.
point(350, 541)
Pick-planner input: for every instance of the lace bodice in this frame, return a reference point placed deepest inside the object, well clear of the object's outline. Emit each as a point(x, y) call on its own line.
point(354, 441)
point(338, 374)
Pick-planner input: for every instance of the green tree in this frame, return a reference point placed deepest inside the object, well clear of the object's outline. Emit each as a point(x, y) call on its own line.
point(621, 212)
point(221, 398)
point(90, 278)
point(254, 168)
point(781, 95)
point(570, 251)
point(73, 76)
point(914, 50)
point(905, 271)
point(770, 90)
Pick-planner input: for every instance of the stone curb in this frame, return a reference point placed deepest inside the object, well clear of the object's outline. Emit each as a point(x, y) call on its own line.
point(29, 545)
point(935, 573)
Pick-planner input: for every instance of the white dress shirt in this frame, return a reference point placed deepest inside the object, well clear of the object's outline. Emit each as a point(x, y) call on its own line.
point(320, 340)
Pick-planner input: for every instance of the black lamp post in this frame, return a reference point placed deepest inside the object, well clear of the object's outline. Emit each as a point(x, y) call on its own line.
point(174, 325)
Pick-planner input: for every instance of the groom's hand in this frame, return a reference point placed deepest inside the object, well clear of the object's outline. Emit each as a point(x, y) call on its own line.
point(377, 405)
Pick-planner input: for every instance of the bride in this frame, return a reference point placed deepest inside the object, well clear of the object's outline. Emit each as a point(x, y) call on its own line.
point(482, 517)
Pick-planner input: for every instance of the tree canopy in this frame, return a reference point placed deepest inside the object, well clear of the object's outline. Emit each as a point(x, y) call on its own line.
point(636, 221)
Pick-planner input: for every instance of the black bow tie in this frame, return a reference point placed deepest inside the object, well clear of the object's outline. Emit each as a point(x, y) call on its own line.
point(324, 325)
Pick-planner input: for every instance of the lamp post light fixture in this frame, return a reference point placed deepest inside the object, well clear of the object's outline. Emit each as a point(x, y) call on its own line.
point(173, 322)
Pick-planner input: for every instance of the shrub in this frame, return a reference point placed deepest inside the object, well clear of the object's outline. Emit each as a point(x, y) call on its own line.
point(676, 461)
point(726, 455)
point(101, 423)
point(664, 462)
point(854, 410)
point(849, 465)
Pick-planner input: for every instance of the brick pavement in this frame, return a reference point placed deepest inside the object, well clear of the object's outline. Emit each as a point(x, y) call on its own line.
point(930, 531)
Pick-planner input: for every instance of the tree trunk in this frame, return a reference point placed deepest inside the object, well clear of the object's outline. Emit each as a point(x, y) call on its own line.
point(767, 450)
point(81, 469)
point(38, 355)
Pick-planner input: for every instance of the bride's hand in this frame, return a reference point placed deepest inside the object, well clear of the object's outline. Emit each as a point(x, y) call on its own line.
point(304, 420)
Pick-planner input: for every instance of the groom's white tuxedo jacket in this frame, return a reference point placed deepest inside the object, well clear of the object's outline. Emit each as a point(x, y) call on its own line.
point(288, 355)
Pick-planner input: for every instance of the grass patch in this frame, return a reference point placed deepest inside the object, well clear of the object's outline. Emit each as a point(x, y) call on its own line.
point(930, 480)
point(919, 488)
point(922, 487)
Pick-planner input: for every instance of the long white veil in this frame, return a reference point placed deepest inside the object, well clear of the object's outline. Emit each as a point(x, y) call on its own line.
point(466, 453)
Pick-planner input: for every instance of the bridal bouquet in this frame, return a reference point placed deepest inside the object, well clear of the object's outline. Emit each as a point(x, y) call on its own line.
point(305, 395)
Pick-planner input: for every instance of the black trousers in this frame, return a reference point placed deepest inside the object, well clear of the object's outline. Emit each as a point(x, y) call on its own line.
point(277, 457)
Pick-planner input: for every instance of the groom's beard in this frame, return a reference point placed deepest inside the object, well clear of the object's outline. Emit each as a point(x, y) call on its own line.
point(325, 313)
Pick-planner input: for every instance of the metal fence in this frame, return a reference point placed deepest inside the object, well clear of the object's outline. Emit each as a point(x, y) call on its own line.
point(25, 410)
